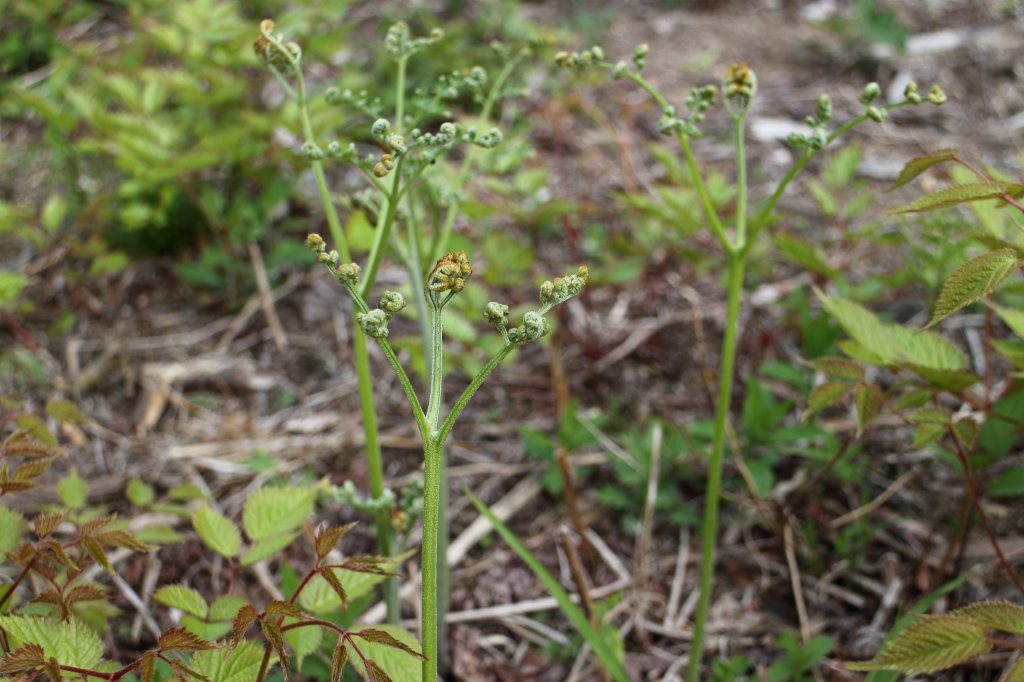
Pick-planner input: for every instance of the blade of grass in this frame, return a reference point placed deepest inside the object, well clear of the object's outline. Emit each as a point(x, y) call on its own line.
point(601, 649)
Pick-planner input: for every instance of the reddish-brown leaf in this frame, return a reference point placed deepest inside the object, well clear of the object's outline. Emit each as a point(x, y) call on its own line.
point(22, 660)
point(247, 615)
point(376, 673)
point(381, 637)
point(54, 551)
point(97, 553)
point(147, 666)
point(122, 538)
point(327, 538)
point(93, 526)
point(52, 668)
point(274, 635)
point(47, 523)
point(29, 449)
point(180, 639)
point(332, 579)
point(31, 470)
point(283, 608)
point(84, 593)
point(25, 552)
point(338, 661)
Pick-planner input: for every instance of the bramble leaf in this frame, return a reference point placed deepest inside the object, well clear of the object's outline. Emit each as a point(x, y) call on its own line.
point(247, 615)
point(282, 608)
point(869, 403)
point(1014, 319)
point(920, 164)
point(182, 598)
point(926, 433)
point(972, 281)
point(386, 639)
point(147, 666)
point(966, 429)
point(218, 532)
point(930, 415)
point(22, 660)
point(180, 639)
point(957, 194)
point(238, 664)
point(837, 367)
point(37, 427)
point(72, 490)
point(1014, 673)
point(272, 511)
point(998, 615)
point(375, 673)
point(10, 529)
point(400, 666)
point(933, 643)
point(71, 642)
point(226, 607)
point(327, 538)
point(824, 395)
point(304, 640)
point(338, 661)
point(266, 548)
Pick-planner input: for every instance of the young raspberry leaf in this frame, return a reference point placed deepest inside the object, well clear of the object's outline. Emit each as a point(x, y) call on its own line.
point(37, 427)
point(46, 523)
point(247, 615)
point(332, 579)
point(182, 598)
point(933, 643)
point(920, 164)
point(837, 367)
point(957, 194)
point(824, 395)
point(180, 639)
point(147, 666)
point(972, 281)
point(327, 538)
point(282, 608)
point(338, 661)
point(22, 660)
point(66, 411)
point(998, 615)
point(375, 673)
point(966, 430)
point(218, 532)
point(381, 637)
point(869, 403)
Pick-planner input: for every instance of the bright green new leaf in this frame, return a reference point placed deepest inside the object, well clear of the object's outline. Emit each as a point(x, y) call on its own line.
point(10, 529)
point(226, 607)
point(139, 493)
point(824, 395)
point(399, 665)
point(600, 647)
point(237, 664)
point(920, 164)
point(209, 631)
point(862, 326)
point(973, 280)
point(71, 643)
point(37, 427)
point(957, 194)
point(182, 598)
point(933, 643)
point(219, 533)
point(998, 615)
point(319, 597)
point(72, 490)
point(263, 549)
point(272, 511)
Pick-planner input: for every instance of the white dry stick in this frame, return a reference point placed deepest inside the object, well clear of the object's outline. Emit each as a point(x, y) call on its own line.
point(678, 578)
point(642, 545)
point(132, 598)
point(266, 297)
point(877, 502)
point(794, 579)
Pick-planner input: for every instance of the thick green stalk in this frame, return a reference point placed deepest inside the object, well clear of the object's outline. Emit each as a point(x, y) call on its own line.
point(737, 263)
point(432, 482)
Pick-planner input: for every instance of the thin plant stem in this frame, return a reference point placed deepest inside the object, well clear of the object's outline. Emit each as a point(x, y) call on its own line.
point(432, 453)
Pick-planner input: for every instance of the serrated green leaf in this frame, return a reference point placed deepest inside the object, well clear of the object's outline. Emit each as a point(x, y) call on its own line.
point(210, 631)
point(966, 430)
point(957, 194)
point(869, 402)
point(972, 281)
point(11, 523)
point(837, 367)
point(226, 607)
point(267, 548)
point(862, 326)
point(913, 398)
point(926, 433)
point(920, 164)
point(272, 511)
point(949, 380)
point(319, 597)
point(930, 415)
point(925, 349)
point(218, 532)
point(66, 411)
point(824, 395)
point(933, 643)
point(237, 664)
point(11, 285)
point(998, 615)
point(71, 642)
point(72, 490)
point(400, 666)
point(159, 535)
point(859, 353)
point(182, 598)
point(1015, 671)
